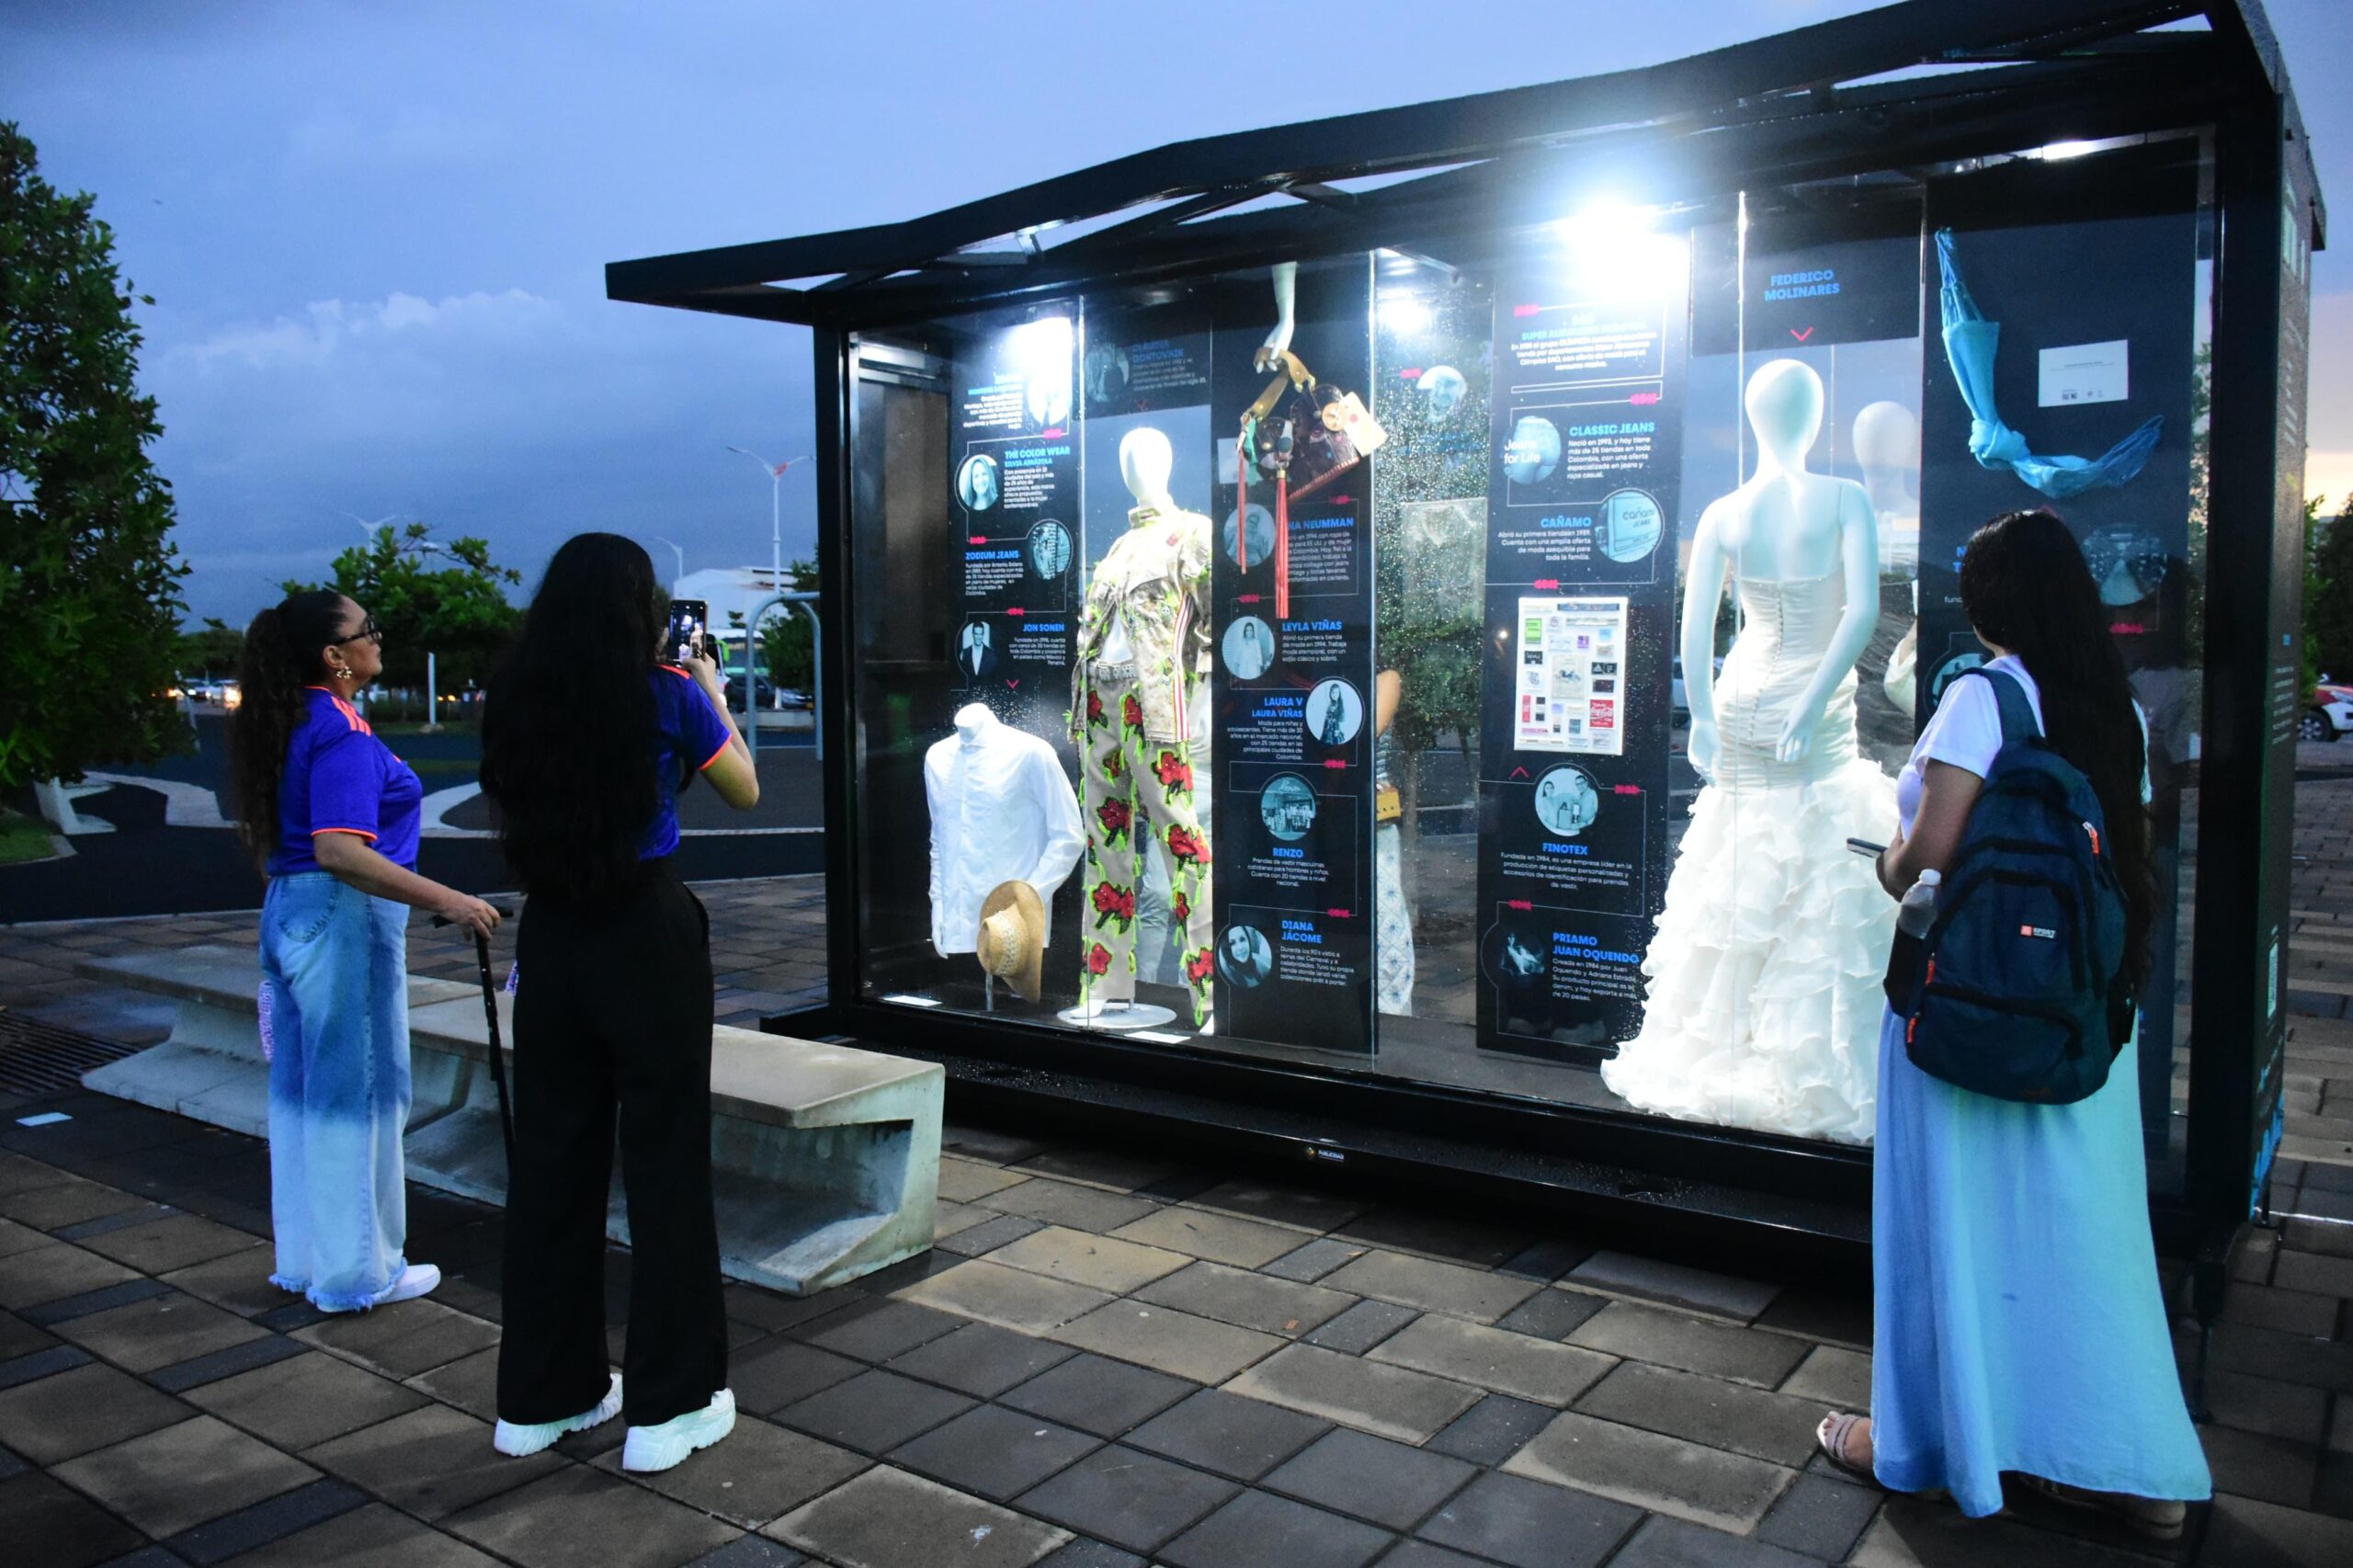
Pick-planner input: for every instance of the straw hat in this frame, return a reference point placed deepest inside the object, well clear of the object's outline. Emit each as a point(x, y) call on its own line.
point(1013, 936)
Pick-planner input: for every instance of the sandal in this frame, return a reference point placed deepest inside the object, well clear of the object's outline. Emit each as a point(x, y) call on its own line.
point(2153, 1518)
point(1831, 1439)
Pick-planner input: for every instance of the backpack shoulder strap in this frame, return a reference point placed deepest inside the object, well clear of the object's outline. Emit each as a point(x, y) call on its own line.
point(2018, 714)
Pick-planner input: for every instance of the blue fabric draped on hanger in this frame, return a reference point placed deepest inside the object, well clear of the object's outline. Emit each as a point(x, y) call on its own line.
point(1970, 344)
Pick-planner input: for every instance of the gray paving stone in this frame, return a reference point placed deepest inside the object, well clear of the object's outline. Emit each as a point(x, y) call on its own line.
point(1010, 1297)
point(578, 1515)
point(1837, 1317)
point(1841, 1378)
point(988, 1236)
point(42, 1364)
point(1708, 1411)
point(1128, 1497)
point(981, 1359)
point(1546, 1261)
point(1221, 1238)
point(1234, 1437)
point(431, 1461)
point(750, 1551)
point(2271, 1470)
point(174, 1240)
point(1313, 1261)
point(368, 1534)
point(2263, 1405)
point(876, 1330)
point(889, 1518)
point(158, 1331)
point(89, 1303)
point(1051, 1203)
point(1517, 1364)
point(1820, 1517)
point(66, 1201)
point(2247, 1534)
point(1422, 1555)
point(1389, 1402)
point(776, 1372)
point(1494, 1429)
point(994, 1451)
point(1676, 1284)
point(1680, 1543)
point(181, 1376)
point(1363, 1327)
point(1529, 1525)
point(1097, 1395)
point(405, 1338)
point(1438, 1233)
point(1552, 1315)
point(1082, 1553)
point(1254, 1199)
point(1099, 1167)
point(91, 1406)
point(1251, 1300)
point(237, 1280)
point(1167, 1341)
point(305, 1400)
point(1640, 1333)
point(760, 1471)
point(772, 1312)
point(55, 1528)
point(16, 1238)
point(53, 1273)
point(1355, 1472)
point(1433, 1285)
point(167, 1481)
point(261, 1523)
point(1258, 1528)
point(1666, 1475)
point(963, 1181)
point(1101, 1263)
point(1913, 1533)
point(874, 1412)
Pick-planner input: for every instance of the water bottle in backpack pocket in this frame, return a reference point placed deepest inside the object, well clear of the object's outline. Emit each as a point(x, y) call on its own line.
point(2015, 989)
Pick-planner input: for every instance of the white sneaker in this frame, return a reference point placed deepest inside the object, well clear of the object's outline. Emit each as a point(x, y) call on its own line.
point(659, 1448)
point(416, 1280)
point(517, 1439)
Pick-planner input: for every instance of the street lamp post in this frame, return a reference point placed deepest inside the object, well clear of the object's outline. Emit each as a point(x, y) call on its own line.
point(775, 473)
point(680, 574)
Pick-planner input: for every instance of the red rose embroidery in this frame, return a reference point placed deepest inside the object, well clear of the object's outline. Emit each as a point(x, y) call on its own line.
point(1098, 960)
point(1131, 711)
point(1115, 816)
point(1114, 903)
point(1114, 765)
point(1181, 907)
point(1197, 968)
point(1175, 774)
point(1094, 707)
point(1185, 844)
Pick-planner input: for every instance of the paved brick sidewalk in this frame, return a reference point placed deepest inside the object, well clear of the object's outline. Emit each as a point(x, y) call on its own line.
point(1111, 1359)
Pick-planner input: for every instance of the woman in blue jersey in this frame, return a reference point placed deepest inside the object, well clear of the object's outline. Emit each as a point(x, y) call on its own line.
point(587, 742)
point(331, 815)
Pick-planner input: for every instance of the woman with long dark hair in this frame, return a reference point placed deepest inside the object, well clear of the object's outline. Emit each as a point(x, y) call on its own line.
point(587, 742)
point(2020, 1323)
point(331, 816)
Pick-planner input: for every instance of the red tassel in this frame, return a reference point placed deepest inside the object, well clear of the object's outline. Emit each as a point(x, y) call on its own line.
point(1283, 546)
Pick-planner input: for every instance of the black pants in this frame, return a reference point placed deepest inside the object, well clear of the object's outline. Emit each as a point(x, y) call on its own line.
point(613, 1005)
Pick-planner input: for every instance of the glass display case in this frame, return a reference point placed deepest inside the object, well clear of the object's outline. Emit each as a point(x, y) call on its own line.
point(1424, 674)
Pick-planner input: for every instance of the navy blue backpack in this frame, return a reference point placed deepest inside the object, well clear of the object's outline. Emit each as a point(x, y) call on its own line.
point(2016, 991)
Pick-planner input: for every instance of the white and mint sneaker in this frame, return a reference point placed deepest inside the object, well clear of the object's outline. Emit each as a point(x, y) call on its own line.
point(659, 1448)
point(517, 1438)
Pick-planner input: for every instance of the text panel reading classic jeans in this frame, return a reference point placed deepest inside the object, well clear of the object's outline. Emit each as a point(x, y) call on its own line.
point(337, 963)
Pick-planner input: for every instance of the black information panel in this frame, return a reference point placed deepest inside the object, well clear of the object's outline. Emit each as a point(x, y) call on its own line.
point(2077, 369)
point(1588, 414)
point(1014, 499)
point(1293, 701)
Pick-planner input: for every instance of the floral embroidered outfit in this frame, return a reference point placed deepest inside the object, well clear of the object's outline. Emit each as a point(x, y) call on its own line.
point(1141, 642)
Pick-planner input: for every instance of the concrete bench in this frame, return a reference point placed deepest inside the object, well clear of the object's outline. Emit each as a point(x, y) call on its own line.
point(825, 1159)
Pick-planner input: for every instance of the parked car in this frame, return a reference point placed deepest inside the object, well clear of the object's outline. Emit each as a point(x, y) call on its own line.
point(793, 697)
point(766, 690)
point(2330, 715)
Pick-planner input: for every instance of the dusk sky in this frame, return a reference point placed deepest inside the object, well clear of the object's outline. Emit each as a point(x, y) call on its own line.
point(376, 234)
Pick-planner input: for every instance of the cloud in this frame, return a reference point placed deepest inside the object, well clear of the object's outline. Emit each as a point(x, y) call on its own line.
point(328, 326)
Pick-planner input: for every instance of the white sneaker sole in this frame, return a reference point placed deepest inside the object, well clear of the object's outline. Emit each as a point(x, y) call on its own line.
point(519, 1441)
point(652, 1449)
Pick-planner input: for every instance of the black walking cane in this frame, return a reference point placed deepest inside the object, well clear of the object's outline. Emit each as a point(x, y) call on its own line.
point(497, 1050)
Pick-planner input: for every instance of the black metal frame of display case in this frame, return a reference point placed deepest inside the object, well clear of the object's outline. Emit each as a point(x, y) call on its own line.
point(1811, 104)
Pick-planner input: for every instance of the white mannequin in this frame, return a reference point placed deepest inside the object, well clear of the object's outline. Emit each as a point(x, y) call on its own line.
point(974, 720)
point(1286, 314)
point(1145, 461)
point(1887, 447)
point(1783, 525)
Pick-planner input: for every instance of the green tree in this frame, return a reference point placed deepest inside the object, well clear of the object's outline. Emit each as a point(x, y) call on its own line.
point(89, 581)
point(788, 649)
point(429, 597)
point(211, 650)
point(2328, 593)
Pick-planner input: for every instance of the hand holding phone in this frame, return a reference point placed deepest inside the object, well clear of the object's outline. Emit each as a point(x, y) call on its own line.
point(684, 638)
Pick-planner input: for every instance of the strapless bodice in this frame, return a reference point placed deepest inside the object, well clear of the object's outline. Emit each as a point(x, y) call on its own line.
point(1786, 626)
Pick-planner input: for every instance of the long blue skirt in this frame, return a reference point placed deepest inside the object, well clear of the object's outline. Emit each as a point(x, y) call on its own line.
point(2020, 1324)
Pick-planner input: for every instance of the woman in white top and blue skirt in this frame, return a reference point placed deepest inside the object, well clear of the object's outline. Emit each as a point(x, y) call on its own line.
point(2020, 1326)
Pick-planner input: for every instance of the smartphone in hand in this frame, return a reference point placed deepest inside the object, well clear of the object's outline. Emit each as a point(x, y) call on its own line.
point(688, 620)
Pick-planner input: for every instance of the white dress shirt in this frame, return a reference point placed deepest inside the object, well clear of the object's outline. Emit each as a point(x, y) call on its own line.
point(1002, 809)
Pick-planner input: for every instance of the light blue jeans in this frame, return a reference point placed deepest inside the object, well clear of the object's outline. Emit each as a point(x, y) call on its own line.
point(336, 964)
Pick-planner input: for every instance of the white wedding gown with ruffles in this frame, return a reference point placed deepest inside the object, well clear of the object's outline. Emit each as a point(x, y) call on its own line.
point(1764, 1001)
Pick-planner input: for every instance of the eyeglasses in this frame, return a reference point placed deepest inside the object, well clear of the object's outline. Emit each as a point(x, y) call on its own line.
point(367, 629)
